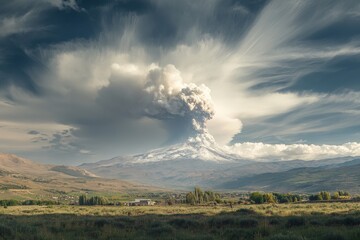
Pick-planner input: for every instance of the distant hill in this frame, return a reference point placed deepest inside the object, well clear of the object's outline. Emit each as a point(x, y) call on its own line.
point(73, 171)
point(341, 176)
point(23, 178)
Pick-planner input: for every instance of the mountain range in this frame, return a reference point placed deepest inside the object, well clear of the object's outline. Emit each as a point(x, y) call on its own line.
point(197, 162)
point(200, 161)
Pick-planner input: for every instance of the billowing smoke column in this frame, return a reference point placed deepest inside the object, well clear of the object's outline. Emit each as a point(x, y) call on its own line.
point(169, 97)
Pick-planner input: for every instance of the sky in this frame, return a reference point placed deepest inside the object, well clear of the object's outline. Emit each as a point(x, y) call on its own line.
point(82, 81)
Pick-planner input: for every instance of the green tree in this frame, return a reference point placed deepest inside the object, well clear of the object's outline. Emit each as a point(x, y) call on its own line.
point(269, 198)
point(316, 197)
point(325, 195)
point(199, 195)
point(95, 200)
point(257, 197)
point(335, 195)
point(344, 194)
point(82, 200)
point(190, 198)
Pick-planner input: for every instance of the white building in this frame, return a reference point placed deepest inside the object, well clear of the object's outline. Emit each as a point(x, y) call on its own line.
point(141, 202)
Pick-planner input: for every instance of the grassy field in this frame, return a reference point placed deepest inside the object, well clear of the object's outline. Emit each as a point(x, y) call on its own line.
point(282, 221)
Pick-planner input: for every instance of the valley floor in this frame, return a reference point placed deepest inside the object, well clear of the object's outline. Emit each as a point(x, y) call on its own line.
point(267, 221)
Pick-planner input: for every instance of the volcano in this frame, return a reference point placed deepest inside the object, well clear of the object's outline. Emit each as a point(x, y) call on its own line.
point(185, 164)
point(200, 147)
point(197, 161)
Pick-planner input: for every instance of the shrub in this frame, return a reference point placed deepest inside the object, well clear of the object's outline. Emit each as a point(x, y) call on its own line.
point(183, 223)
point(289, 236)
point(159, 229)
point(295, 222)
point(332, 236)
point(334, 221)
point(101, 222)
point(5, 232)
point(246, 223)
point(10, 202)
point(315, 222)
point(245, 211)
point(233, 233)
point(274, 221)
point(222, 221)
point(351, 221)
point(348, 221)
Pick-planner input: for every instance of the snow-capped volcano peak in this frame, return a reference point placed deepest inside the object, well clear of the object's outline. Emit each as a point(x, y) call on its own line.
point(202, 146)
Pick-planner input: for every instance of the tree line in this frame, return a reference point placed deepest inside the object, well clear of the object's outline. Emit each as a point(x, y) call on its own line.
point(13, 202)
point(198, 196)
point(95, 200)
point(326, 196)
point(260, 198)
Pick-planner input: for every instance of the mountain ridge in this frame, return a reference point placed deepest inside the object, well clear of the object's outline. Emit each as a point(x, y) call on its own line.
point(26, 179)
point(341, 176)
point(184, 165)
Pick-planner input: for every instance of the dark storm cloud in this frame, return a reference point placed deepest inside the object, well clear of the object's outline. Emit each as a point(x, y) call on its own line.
point(62, 141)
point(29, 25)
point(161, 24)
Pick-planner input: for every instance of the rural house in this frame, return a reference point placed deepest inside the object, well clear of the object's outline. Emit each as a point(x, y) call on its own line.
point(141, 202)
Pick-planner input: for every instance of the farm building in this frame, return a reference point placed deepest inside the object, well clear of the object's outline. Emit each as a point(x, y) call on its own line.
point(141, 202)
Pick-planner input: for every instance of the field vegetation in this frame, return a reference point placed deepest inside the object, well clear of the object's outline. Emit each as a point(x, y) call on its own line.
point(333, 220)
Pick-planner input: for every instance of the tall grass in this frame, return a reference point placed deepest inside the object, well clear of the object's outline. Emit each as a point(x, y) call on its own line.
point(286, 221)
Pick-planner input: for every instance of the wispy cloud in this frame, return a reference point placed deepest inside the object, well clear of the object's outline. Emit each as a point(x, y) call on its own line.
point(24, 16)
point(18, 24)
point(93, 85)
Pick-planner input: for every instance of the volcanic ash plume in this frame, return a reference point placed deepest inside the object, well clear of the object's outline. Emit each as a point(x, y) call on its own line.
point(169, 98)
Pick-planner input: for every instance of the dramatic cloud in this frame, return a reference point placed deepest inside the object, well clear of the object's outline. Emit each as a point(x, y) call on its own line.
point(129, 76)
point(22, 16)
point(262, 151)
point(170, 98)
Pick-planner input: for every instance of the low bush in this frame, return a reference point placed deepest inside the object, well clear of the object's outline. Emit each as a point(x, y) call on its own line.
point(5, 232)
point(237, 234)
point(247, 223)
point(220, 222)
point(159, 229)
point(101, 222)
point(274, 221)
point(295, 222)
point(288, 236)
point(245, 211)
point(184, 223)
point(332, 236)
point(348, 221)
